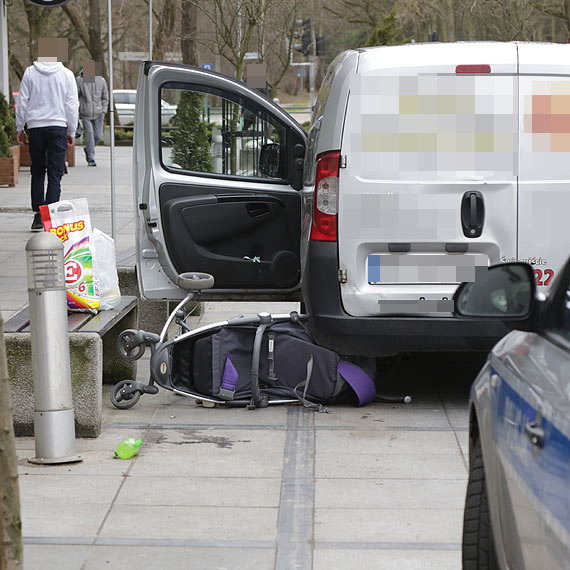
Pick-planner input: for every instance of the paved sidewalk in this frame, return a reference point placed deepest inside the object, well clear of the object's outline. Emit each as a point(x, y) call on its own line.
point(380, 487)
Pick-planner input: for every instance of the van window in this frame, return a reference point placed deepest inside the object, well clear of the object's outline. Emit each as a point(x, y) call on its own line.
point(211, 133)
point(433, 126)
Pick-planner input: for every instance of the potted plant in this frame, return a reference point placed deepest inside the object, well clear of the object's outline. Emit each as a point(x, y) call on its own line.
point(9, 149)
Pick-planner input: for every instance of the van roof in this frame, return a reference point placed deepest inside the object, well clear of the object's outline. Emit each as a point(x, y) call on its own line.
point(443, 57)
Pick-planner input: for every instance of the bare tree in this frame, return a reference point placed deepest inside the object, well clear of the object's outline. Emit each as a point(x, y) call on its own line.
point(189, 34)
point(11, 556)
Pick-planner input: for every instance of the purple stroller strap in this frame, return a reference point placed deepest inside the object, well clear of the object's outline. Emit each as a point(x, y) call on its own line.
point(359, 381)
point(229, 380)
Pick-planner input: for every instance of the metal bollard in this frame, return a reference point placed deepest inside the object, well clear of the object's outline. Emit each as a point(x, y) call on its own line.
point(54, 422)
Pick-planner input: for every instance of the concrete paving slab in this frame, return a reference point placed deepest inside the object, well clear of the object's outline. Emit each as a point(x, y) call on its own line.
point(385, 559)
point(79, 489)
point(179, 558)
point(385, 466)
point(390, 494)
point(208, 462)
point(221, 523)
point(385, 442)
point(62, 557)
point(429, 526)
point(61, 519)
point(200, 491)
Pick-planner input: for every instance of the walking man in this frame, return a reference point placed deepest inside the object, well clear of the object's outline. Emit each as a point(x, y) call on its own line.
point(93, 104)
point(48, 105)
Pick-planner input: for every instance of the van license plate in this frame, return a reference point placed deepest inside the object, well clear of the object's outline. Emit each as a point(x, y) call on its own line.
point(385, 268)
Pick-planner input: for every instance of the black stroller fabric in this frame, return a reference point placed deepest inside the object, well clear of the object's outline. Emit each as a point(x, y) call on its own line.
point(291, 366)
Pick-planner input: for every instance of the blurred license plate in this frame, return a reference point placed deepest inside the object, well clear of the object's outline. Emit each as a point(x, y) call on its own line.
point(409, 268)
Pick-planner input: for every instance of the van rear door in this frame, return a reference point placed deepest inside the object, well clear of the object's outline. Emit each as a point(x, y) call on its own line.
point(544, 182)
point(428, 195)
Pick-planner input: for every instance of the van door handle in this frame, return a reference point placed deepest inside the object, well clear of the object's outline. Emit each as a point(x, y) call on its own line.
point(535, 434)
point(472, 213)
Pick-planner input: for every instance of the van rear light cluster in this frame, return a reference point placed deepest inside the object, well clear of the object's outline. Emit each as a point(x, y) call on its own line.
point(325, 199)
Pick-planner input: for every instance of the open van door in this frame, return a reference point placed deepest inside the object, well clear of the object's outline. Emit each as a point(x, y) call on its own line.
point(217, 189)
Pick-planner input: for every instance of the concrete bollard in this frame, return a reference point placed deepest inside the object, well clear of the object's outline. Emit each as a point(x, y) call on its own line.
point(54, 421)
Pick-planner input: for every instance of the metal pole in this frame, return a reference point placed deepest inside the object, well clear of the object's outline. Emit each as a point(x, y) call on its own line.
point(54, 420)
point(112, 117)
point(150, 30)
point(4, 76)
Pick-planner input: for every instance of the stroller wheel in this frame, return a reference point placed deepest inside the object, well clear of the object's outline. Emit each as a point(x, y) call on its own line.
point(120, 396)
point(129, 353)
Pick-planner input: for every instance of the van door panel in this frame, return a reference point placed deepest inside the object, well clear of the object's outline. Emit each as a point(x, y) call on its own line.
point(544, 187)
point(239, 238)
point(417, 141)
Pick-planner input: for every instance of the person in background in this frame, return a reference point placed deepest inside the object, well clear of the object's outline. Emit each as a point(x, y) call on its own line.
point(93, 104)
point(48, 105)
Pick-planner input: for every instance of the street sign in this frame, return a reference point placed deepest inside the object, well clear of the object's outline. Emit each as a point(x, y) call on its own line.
point(251, 55)
point(133, 55)
point(49, 3)
point(173, 56)
point(207, 66)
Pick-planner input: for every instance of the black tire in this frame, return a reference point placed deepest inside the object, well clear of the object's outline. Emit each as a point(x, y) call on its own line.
point(129, 354)
point(478, 544)
point(124, 401)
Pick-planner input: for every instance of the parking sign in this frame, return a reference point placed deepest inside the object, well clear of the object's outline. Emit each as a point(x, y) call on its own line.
point(207, 66)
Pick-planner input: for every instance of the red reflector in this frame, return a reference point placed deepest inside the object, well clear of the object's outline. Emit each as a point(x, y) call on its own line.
point(483, 68)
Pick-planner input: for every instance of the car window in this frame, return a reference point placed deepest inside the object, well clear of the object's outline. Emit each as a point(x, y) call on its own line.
point(211, 133)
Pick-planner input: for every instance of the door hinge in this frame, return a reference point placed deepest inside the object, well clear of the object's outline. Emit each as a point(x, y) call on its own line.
point(342, 276)
point(342, 163)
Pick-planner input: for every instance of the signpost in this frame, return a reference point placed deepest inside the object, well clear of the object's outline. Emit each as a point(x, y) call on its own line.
point(133, 55)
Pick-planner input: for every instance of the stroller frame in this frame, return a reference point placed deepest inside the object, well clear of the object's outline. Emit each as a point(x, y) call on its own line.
point(132, 343)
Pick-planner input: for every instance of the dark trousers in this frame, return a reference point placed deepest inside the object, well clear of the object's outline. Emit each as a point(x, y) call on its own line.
point(47, 151)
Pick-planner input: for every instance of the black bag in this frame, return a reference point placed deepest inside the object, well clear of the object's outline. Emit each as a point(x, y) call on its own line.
point(289, 365)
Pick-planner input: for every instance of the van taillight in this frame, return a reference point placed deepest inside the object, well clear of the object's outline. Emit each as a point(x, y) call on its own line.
point(325, 198)
point(479, 68)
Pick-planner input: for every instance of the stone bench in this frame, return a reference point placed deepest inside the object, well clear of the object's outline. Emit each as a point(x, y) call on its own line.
point(94, 359)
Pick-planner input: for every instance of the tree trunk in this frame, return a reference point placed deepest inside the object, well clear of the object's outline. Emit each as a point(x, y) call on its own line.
point(189, 32)
point(95, 38)
point(38, 20)
point(11, 557)
point(165, 28)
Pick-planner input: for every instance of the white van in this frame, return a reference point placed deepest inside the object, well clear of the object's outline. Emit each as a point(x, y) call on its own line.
point(423, 165)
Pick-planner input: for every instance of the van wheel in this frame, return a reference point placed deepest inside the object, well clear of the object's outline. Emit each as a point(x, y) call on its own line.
point(478, 545)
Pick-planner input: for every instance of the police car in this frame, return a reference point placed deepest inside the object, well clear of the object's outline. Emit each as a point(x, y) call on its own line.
point(517, 509)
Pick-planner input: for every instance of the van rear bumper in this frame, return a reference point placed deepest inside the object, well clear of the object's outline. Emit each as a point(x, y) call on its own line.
point(333, 328)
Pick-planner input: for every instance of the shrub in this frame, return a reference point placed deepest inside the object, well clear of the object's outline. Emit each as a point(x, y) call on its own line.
point(7, 127)
point(192, 137)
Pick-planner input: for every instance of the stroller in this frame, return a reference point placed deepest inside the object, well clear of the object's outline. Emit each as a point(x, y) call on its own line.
point(248, 362)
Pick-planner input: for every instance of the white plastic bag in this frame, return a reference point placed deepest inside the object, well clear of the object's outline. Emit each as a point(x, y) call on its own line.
point(106, 269)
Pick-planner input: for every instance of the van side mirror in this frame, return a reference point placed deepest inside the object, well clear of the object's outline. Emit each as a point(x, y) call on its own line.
point(269, 160)
point(507, 293)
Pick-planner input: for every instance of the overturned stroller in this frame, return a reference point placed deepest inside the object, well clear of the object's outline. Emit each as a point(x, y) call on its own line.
point(247, 362)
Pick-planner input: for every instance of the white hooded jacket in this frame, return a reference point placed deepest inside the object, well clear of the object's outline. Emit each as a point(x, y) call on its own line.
point(48, 97)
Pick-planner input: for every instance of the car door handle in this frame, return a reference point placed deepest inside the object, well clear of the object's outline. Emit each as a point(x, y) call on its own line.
point(535, 434)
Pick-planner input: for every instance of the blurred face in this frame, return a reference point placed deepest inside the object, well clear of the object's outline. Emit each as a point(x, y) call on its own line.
point(52, 49)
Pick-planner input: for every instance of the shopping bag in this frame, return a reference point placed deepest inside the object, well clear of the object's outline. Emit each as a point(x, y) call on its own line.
point(69, 221)
point(105, 267)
